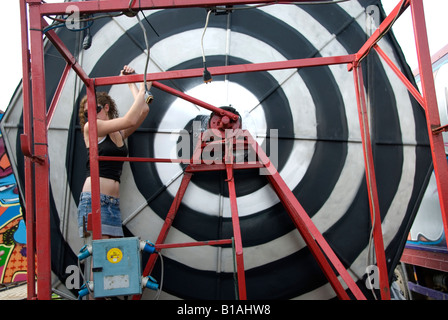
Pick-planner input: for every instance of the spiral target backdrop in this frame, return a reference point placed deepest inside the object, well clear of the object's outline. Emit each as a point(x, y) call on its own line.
point(313, 112)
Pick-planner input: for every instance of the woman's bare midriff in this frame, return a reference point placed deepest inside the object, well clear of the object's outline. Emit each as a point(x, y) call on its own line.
point(107, 186)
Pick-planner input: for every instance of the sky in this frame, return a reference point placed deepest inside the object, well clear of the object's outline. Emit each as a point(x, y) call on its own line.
point(10, 54)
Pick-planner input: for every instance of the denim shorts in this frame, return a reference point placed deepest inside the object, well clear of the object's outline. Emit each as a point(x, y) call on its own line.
point(111, 223)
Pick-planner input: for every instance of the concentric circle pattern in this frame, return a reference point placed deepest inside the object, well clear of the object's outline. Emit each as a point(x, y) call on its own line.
point(307, 117)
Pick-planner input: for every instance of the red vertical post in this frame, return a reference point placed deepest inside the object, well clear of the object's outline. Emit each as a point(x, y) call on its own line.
point(41, 168)
point(26, 144)
point(371, 183)
point(236, 234)
point(242, 294)
point(431, 107)
point(167, 223)
point(93, 158)
point(239, 257)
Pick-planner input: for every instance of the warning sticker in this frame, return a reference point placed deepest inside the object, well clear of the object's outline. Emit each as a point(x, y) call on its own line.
point(114, 255)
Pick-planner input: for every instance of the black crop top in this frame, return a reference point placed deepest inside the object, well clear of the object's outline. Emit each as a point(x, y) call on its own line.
point(108, 169)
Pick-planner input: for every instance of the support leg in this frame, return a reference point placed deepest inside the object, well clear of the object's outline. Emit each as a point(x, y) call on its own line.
point(236, 234)
point(26, 144)
point(311, 235)
point(40, 153)
point(168, 222)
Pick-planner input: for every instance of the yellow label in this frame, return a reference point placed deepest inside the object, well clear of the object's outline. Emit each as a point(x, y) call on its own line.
point(114, 255)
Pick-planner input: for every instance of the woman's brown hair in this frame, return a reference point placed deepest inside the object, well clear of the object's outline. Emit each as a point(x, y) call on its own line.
point(102, 98)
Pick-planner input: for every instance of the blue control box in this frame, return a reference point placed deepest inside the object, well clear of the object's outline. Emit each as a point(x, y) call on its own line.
point(116, 267)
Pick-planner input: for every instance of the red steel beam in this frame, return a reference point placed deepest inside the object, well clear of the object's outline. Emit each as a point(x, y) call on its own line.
point(401, 76)
point(66, 54)
point(310, 234)
point(229, 159)
point(41, 168)
point(226, 70)
point(26, 141)
point(431, 107)
point(167, 224)
point(223, 70)
point(222, 166)
point(125, 5)
point(192, 244)
point(371, 183)
point(191, 99)
point(242, 293)
point(94, 166)
point(193, 167)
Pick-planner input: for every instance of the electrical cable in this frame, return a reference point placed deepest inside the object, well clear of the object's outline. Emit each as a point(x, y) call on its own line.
point(369, 256)
point(235, 274)
point(203, 34)
point(161, 276)
point(84, 278)
point(148, 96)
point(61, 22)
point(108, 15)
point(153, 29)
point(147, 50)
point(207, 77)
point(283, 3)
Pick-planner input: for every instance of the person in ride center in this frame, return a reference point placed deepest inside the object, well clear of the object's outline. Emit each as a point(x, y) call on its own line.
point(112, 132)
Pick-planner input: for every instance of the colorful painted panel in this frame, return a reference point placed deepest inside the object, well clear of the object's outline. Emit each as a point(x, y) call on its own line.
point(12, 226)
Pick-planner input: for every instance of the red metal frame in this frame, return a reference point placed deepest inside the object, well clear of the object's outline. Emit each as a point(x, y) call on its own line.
point(36, 121)
point(371, 181)
point(26, 142)
point(431, 108)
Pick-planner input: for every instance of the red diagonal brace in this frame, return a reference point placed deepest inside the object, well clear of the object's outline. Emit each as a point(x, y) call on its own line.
point(400, 75)
point(310, 234)
point(167, 224)
point(371, 184)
